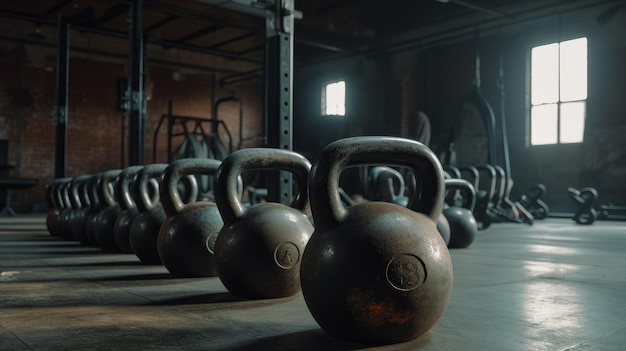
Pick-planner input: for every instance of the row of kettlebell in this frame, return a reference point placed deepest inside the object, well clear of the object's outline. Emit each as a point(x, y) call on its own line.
point(375, 272)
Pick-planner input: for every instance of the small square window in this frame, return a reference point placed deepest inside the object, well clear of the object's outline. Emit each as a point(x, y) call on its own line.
point(334, 99)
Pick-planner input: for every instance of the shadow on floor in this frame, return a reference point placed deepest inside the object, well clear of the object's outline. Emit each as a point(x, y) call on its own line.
point(308, 340)
point(220, 297)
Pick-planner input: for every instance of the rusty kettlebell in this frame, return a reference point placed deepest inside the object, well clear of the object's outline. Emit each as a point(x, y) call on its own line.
point(187, 238)
point(104, 221)
point(259, 249)
point(463, 226)
point(376, 272)
point(145, 227)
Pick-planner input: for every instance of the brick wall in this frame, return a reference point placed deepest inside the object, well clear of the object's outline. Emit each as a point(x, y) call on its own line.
point(27, 102)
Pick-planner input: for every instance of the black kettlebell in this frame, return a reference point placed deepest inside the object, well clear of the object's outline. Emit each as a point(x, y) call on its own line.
point(387, 184)
point(104, 221)
point(186, 240)
point(64, 221)
point(144, 230)
point(259, 249)
point(54, 207)
point(121, 228)
point(463, 226)
point(96, 204)
point(376, 272)
point(78, 192)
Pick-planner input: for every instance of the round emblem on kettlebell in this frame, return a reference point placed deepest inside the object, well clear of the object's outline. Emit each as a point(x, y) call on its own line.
point(287, 255)
point(406, 272)
point(210, 242)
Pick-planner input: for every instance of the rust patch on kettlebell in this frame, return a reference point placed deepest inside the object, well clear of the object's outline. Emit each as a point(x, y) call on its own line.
point(368, 311)
point(405, 272)
point(210, 242)
point(287, 255)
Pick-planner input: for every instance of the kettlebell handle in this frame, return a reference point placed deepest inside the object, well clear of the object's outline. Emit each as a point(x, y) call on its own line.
point(373, 150)
point(144, 202)
point(126, 200)
point(235, 164)
point(170, 197)
point(107, 179)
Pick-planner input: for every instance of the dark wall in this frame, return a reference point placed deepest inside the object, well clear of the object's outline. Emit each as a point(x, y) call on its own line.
point(436, 80)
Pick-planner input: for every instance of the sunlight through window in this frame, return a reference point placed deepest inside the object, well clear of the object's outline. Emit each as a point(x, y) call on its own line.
point(558, 92)
point(334, 99)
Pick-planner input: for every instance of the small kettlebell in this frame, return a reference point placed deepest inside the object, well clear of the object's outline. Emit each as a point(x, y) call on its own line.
point(376, 272)
point(104, 221)
point(54, 205)
point(64, 221)
point(463, 226)
point(78, 192)
point(121, 228)
point(145, 228)
point(259, 249)
point(187, 238)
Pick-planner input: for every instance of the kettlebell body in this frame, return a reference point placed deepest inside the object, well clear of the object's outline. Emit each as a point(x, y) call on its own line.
point(187, 238)
point(376, 272)
point(259, 249)
point(78, 190)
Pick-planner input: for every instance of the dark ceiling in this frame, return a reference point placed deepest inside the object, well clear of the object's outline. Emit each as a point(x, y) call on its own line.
point(210, 36)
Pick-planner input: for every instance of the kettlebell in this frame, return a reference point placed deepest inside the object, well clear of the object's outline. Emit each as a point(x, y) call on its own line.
point(259, 249)
point(121, 228)
point(78, 192)
point(186, 239)
point(54, 207)
point(376, 272)
point(387, 185)
point(104, 221)
point(64, 220)
point(96, 204)
point(463, 226)
point(144, 230)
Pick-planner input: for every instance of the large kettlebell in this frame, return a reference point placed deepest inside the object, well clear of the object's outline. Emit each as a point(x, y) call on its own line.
point(96, 204)
point(463, 226)
point(104, 221)
point(145, 228)
point(376, 272)
point(187, 238)
point(259, 249)
point(64, 221)
point(121, 228)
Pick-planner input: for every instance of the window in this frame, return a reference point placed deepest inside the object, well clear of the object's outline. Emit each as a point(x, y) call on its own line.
point(334, 99)
point(558, 92)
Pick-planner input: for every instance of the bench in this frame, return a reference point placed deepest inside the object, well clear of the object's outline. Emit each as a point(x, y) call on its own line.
point(8, 184)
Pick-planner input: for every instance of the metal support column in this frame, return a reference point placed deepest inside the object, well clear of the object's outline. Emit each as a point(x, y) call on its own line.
point(137, 99)
point(63, 64)
point(278, 89)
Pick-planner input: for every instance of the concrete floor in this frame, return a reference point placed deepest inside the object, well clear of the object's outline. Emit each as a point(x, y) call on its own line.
point(551, 286)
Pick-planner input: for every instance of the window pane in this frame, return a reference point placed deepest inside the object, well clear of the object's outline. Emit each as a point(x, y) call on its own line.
point(335, 99)
point(545, 74)
point(543, 123)
point(574, 69)
point(572, 122)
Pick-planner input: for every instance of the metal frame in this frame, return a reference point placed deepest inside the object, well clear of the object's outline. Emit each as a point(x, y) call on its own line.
point(63, 63)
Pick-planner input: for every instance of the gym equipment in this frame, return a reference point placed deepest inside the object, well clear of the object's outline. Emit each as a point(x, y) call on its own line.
point(53, 206)
point(612, 212)
point(463, 226)
point(186, 240)
point(258, 251)
point(104, 221)
point(145, 227)
point(485, 196)
point(65, 220)
point(128, 208)
point(78, 191)
point(387, 184)
point(584, 198)
point(96, 204)
point(532, 201)
point(376, 272)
